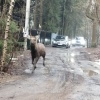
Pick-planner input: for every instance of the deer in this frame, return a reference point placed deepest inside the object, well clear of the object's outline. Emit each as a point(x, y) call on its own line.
point(37, 50)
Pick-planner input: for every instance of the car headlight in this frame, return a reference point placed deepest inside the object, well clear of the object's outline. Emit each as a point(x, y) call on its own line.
point(66, 42)
point(73, 41)
point(54, 41)
point(46, 40)
point(83, 42)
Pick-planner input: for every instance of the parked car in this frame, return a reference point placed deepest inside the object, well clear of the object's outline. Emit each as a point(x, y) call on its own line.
point(61, 41)
point(79, 41)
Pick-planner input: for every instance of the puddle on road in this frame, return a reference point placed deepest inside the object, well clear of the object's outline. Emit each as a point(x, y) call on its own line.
point(71, 56)
point(91, 72)
point(97, 61)
point(72, 60)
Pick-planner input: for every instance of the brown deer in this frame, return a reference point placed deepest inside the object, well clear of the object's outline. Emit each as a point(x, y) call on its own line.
point(37, 50)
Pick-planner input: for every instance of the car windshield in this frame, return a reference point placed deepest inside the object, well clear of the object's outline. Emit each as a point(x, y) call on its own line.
point(79, 38)
point(60, 37)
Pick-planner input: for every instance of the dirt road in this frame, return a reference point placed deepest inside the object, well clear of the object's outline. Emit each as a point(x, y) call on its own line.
point(68, 75)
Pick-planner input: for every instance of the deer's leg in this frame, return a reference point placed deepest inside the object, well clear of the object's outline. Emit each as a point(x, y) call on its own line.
point(32, 61)
point(35, 61)
point(43, 60)
point(32, 58)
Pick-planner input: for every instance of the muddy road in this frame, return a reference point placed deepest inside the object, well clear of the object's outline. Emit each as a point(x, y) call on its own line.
point(68, 75)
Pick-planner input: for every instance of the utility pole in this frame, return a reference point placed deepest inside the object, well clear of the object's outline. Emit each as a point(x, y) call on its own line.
point(26, 30)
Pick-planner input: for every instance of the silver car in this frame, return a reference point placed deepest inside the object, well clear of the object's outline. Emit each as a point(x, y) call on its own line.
point(61, 41)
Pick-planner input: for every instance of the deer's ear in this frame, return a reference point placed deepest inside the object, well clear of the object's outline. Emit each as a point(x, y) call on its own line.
point(30, 34)
point(38, 32)
point(28, 37)
point(37, 37)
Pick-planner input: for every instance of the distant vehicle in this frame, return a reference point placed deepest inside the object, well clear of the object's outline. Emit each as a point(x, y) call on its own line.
point(79, 41)
point(61, 41)
point(69, 41)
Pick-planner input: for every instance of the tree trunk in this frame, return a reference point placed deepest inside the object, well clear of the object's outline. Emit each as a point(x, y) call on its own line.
point(35, 14)
point(63, 20)
point(41, 13)
point(6, 33)
point(94, 39)
point(4, 9)
point(92, 13)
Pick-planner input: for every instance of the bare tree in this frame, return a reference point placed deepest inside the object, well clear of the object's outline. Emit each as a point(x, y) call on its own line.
point(92, 13)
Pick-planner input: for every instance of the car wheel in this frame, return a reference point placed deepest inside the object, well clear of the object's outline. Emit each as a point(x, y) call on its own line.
point(69, 46)
point(66, 46)
point(53, 46)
